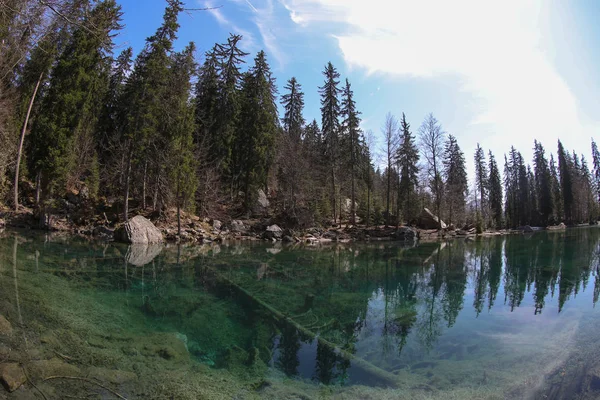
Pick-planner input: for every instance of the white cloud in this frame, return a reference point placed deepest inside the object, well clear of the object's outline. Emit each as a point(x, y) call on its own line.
point(248, 43)
point(494, 49)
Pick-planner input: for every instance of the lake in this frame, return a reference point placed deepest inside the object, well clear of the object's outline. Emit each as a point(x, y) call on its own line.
point(490, 318)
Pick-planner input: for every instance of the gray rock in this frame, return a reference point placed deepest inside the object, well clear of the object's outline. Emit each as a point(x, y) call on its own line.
point(139, 254)
point(273, 232)
point(262, 200)
point(428, 220)
point(237, 226)
point(138, 230)
point(217, 224)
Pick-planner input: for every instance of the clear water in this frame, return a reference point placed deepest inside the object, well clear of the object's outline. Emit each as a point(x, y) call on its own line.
point(477, 318)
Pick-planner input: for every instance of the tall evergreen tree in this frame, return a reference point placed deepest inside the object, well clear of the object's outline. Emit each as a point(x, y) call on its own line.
point(557, 203)
point(456, 184)
point(543, 185)
point(257, 136)
point(207, 98)
point(293, 105)
point(144, 95)
point(481, 178)
point(62, 132)
point(495, 192)
point(566, 183)
point(407, 158)
point(330, 125)
point(596, 174)
point(353, 141)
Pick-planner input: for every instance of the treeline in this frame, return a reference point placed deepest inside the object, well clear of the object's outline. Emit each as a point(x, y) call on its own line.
point(166, 131)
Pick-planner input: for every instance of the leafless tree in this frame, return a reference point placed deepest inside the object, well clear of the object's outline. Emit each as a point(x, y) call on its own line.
point(432, 139)
point(390, 134)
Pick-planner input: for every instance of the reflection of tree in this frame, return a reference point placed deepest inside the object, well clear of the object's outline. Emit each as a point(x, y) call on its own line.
point(428, 325)
point(456, 282)
point(289, 345)
point(325, 367)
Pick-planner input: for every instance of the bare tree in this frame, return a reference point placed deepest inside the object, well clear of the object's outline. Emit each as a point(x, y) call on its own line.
point(432, 139)
point(390, 134)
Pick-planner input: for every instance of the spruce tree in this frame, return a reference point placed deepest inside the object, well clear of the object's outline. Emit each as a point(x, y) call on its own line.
point(330, 125)
point(456, 184)
point(566, 182)
point(596, 174)
point(407, 157)
point(353, 140)
point(543, 185)
point(144, 95)
point(179, 115)
point(258, 133)
point(293, 106)
point(557, 202)
point(481, 178)
point(71, 108)
point(495, 192)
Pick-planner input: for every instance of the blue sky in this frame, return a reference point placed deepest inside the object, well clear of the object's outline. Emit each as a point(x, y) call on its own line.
point(497, 73)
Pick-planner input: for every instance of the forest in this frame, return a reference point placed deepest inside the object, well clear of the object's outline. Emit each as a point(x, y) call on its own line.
point(167, 129)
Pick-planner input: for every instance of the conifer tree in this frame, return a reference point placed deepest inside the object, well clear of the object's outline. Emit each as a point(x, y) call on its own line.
point(354, 141)
point(293, 105)
point(566, 187)
point(557, 203)
point(257, 136)
point(144, 95)
point(495, 192)
point(456, 184)
point(179, 118)
point(207, 100)
point(407, 158)
point(542, 184)
point(330, 125)
point(481, 178)
point(71, 108)
point(596, 174)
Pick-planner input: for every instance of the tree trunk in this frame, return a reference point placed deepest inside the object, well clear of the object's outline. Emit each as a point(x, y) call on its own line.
point(368, 205)
point(333, 194)
point(127, 176)
point(38, 184)
point(144, 185)
point(178, 206)
point(387, 204)
point(21, 139)
point(155, 196)
point(352, 206)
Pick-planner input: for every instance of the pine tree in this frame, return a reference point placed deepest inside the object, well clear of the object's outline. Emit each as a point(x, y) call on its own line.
point(144, 95)
point(596, 174)
point(330, 125)
point(179, 115)
point(207, 98)
point(566, 183)
point(230, 58)
point(557, 202)
point(63, 130)
point(293, 105)
point(481, 178)
point(524, 193)
point(456, 184)
point(495, 192)
point(407, 158)
point(257, 136)
point(353, 140)
point(543, 185)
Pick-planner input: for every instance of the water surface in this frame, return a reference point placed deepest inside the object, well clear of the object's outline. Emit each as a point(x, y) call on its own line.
point(485, 318)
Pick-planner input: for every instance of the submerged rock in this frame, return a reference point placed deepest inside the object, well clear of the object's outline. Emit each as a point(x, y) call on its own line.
point(113, 376)
point(138, 230)
point(5, 326)
point(12, 376)
point(55, 366)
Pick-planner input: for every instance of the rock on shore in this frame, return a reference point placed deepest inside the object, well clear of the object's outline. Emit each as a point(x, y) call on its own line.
point(138, 230)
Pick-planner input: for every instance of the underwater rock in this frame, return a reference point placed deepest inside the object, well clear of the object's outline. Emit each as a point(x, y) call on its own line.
point(12, 376)
point(5, 326)
point(138, 230)
point(139, 254)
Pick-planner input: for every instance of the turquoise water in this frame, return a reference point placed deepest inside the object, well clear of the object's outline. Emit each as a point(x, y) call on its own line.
point(488, 317)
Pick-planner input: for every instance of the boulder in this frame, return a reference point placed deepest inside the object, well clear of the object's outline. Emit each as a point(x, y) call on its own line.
point(12, 376)
point(558, 227)
point(5, 326)
point(273, 232)
point(42, 369)
point(428, 220)
point(217, 224)
point(405, 233)
point(262, 200)
point(139, 254)
point(138, 230)
point(237, 226)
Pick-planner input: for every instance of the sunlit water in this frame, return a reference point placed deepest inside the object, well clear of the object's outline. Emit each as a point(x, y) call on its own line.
point(495, 313)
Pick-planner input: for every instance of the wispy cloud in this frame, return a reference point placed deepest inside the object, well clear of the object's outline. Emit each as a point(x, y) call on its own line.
point(248, 43)
point(493, 49)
